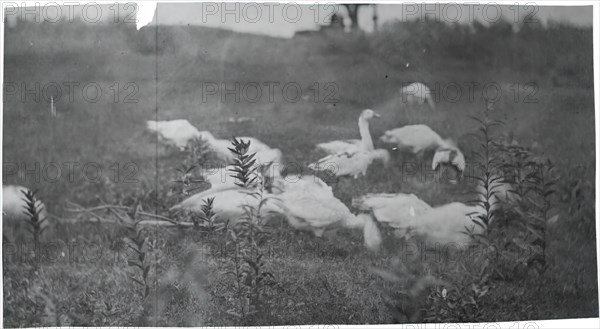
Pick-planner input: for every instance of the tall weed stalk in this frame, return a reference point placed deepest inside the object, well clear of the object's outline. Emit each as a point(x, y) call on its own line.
point(248, 267)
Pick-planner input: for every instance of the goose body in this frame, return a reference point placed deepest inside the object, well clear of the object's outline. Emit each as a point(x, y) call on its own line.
point(311, 205)
point(221, 147)
point(420, 138)
point(307, 203)
point(447, 224)
point(177, 132)
point(228, 203)
point(417, 138)
point(223, 178)
point(417, 93)
point(269, 155)
point(352, 164)
point(398, 210)
point(409, 215)
point(310, 184)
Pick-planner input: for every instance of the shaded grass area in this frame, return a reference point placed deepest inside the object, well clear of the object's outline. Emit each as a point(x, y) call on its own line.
point(318, 280)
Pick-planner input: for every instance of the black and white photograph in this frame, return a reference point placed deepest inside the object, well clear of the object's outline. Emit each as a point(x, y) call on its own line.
point(306, 164)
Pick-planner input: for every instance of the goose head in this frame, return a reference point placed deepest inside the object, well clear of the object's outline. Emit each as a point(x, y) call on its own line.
point(388, 137)
point(449, 154)
point(369, 114)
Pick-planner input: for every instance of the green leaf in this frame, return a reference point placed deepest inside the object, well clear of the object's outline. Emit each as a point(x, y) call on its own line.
point(534, 232)
point(137, 281)
point(136, 264)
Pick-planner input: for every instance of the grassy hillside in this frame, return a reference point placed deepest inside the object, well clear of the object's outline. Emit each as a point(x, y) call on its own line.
point(164, 74)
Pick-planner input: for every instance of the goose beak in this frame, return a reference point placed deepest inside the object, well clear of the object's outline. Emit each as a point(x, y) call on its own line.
point(376, 115)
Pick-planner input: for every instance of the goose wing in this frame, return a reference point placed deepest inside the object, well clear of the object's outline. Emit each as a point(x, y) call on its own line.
point(314, 210)
point(310, 184)
point(344, 163)
point(348, 145)
point(397, 210)
point(418, 137)
point(228, 203)
point(445, 224)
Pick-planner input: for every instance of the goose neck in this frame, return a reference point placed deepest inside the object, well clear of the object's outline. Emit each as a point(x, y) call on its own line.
point(365, 134)
point(356, 221)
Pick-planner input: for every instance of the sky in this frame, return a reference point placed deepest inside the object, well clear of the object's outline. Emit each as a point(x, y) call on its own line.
point(281, 20)
point(284, 20)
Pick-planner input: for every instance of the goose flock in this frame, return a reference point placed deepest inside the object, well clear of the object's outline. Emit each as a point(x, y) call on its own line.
point(307, 202)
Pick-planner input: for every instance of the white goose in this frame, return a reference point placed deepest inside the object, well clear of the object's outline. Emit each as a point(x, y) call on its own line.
point(351, 145)
point(409, 215)
point(420, 138)
point(307, 203)
point(311, 205)
point(417, 138)
point(399, 210)
point(180, 132)
point(354, 156)
point(417, 93)
point(177, 132)
point(306, 183)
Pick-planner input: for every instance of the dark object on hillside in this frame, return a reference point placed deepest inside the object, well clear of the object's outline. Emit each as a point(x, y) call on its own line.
point(353, 14)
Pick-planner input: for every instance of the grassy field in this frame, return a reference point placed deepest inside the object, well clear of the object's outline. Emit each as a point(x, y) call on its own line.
point(80, 276)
